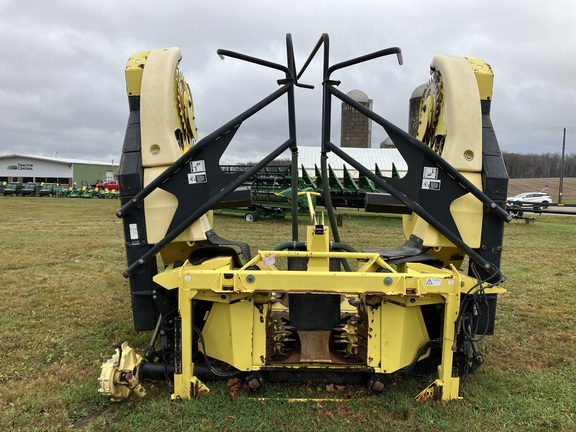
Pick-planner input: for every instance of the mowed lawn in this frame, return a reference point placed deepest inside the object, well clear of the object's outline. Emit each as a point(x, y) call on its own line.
point(63, 303)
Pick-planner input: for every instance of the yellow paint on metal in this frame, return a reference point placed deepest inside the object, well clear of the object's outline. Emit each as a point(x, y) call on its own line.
point(403, 332)
point(183, 378)
point(119, 375)
point(259, 322)
point(374, 342)
point(298, 400)
point(484, 77)
point(134, 72)
point(450, 387)
point(235, 329)
point(225, 321)
point(318, 242)
point(462, 118)
point(168, 129)
point(451, 122)
point(387, 298)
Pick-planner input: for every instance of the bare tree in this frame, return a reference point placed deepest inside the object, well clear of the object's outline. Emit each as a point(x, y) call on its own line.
point(539, 165)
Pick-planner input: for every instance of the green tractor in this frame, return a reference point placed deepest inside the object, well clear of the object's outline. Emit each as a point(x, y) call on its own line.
point(89, 193)
point(76, 192)
point(79, 192)
point(106, 193)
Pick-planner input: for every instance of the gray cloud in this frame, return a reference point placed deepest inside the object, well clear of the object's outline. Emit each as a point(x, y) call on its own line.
point(62, 71)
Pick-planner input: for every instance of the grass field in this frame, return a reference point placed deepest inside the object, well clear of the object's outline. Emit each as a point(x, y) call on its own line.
point(63, 302)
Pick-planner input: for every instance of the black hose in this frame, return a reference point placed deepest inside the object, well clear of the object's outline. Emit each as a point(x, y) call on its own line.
point(476, 295)
point(218, 373)
point(430, 344)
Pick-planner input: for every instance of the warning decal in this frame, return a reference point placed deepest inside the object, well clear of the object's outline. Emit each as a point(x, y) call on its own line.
point(197, 172)
point(430, 178)
point(269, 260)
point(430, 173)
point(430, 184)
point(133, 231)
point(433, 282)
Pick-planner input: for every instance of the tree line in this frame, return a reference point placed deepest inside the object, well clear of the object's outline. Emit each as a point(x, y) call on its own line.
point(539, 165)
point(518, 165)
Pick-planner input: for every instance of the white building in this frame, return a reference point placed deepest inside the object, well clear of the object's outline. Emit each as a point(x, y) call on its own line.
point(369, 157)
point(23, 168)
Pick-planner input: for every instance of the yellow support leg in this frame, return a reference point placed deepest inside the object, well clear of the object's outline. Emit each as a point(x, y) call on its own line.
point(447, 386)
point(186, 385)
point(451, 384)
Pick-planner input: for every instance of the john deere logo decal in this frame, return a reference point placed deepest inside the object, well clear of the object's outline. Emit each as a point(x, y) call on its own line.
point(12, 167)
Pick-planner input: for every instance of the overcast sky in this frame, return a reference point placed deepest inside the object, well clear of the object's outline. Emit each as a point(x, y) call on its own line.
point(62, 88)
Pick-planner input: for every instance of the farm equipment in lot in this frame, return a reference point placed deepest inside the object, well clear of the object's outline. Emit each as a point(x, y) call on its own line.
point(83, 191)
point(12, 188)
point(313, 307)
point(47, 189)
point(31, 189)
point(76, 192)
point(107, 193)
point(272, 197)
point(90, 193)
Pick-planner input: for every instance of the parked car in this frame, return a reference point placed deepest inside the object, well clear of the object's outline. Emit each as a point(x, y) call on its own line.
point(110, 185)
point(530, 199)
point(31, 189)
point(12, 188)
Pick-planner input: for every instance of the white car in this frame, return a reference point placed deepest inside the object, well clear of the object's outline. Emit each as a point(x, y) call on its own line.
point(536, 199)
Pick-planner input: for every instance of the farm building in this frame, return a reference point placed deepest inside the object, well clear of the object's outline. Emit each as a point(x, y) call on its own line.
point(309, 158)
point(22, 168)
point(384, 157)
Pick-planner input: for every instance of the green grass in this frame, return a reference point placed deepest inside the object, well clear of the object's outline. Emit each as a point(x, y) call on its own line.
point(64, 302)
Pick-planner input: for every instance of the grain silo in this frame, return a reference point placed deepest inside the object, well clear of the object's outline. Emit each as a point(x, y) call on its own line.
point(356, 128)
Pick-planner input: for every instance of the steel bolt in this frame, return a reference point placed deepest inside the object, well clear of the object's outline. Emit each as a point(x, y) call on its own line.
point(388, 281)
point(250, 278)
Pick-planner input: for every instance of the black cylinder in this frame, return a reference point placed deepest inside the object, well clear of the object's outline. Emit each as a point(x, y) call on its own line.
point(414, 108)
point(156, 371)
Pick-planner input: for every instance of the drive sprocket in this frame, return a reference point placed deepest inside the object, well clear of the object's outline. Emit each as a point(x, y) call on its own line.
point(186, 130)
point(432, 125)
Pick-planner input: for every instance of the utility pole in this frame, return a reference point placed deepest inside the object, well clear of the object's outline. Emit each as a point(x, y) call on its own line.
point(561, 187)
